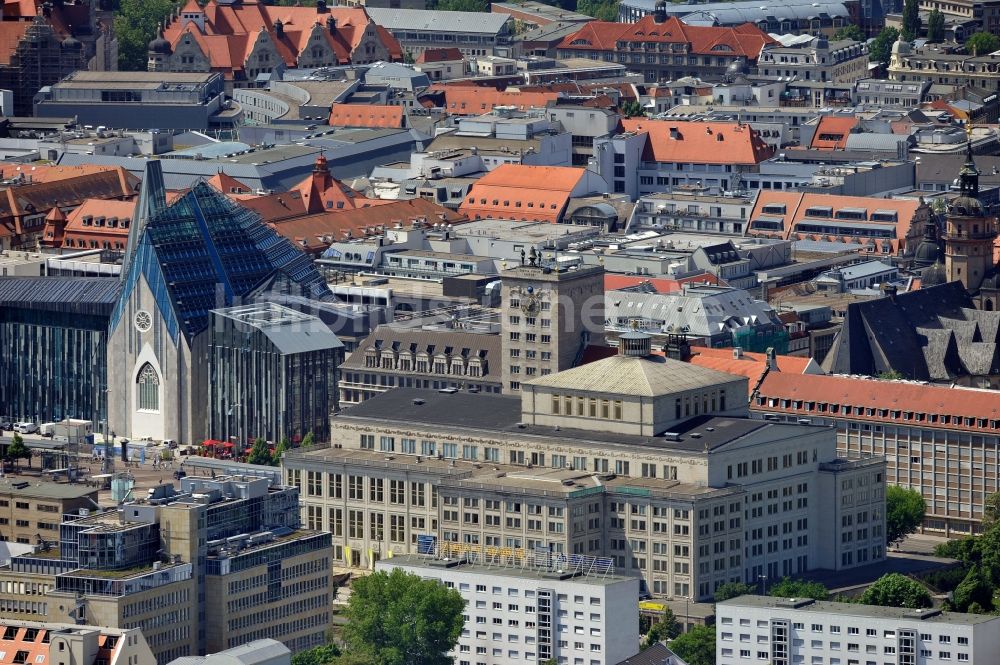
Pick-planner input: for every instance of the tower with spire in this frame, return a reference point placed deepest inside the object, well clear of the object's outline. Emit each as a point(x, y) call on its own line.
point(970, 232)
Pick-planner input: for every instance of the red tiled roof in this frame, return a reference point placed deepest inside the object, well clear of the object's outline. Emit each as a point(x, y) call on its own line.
point(797, 204)
point(476, 100)
point(614, 282)
point(888, 397)
point(700, 142)
point(749, 364)
point(77, 235)
point(516, 191)
point(366, 115)
point(439, 55)
point(832, 132)
point(745, 40)
point(229, 185)
point(314, 233)
point(232, 30)
point(11, 34)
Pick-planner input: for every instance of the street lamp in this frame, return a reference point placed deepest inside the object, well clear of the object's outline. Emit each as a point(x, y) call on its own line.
point(763, 584)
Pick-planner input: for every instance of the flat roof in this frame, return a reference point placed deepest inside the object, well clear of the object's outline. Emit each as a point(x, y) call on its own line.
point(501, 415)
point(853, 609)
point(45, 490)
point(431, 563)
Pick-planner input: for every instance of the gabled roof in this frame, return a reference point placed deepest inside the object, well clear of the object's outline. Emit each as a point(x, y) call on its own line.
point(832, 132)
point(465, 99)
point(700, 142)
point(367, 115)
point(517, 191)
point(439, 55)
point(745, 40)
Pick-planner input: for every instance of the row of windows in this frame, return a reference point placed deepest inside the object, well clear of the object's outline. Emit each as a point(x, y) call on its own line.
point(590, 407)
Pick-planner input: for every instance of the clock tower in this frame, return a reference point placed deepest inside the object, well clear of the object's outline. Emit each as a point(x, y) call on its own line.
point(969, 233)
point(549, 314)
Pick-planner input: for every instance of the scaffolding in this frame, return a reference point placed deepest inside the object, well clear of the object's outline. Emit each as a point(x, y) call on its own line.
point(538, 560)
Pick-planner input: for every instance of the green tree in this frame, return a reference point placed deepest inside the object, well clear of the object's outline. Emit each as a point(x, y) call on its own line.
point(697, 646)
point(400, 619)
point(631, 108)
point(309, 439)
point(890, 375)
point(462, 5)
point(259, 453)
point(881, 47)
point(17, 451)
point(136, 24)
point(975, 589)
point(895, 590)
point(602, 10)
point(408, 57)
point(321, 655)
point(911, 20)
point(982, 43)
point(789, 588)
point(280, 450)
point(904, 511)
point(733, 589)
point(851, 31)
point(991, 511)
point(935, 26)
point(666, 628)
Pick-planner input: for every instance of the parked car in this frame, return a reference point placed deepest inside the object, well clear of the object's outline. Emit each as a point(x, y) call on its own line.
point(170, 443)
point(6, 423)
point(25, 428)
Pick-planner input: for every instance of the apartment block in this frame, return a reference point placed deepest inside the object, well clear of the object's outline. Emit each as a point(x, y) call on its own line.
point(30, 511)
point(576, 612)
point(651, 462)
point(202, 569)
point(802, 630)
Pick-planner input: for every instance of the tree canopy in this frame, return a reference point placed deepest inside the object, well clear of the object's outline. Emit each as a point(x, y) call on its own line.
point(319, 655)
point(881, 47)
point(911, 20)
point(400, 619)
point(260, 453)
point(666, 628)
point(697, 646)
point(982, 43)
point(462, 5)
point(935, 26)
point(851, 31)
point(733, 589)
point(17, 450)
point(895, 590)
point(789, 588)
point(904, 511)
point(602, 10)
point(309, 439)
point(136, 24)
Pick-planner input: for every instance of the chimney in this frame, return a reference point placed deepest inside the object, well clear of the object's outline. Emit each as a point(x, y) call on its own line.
point(321, 7)
point(279, 28)
point(772, 360)
point(331, 24)
point(660, 12)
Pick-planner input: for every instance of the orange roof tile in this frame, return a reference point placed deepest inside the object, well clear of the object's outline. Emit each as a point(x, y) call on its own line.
point(367, 115)
point(982, 406)
point(11, 34)
point(745, 40)
point(516, 191)
point(314, 233)
point(439, 55)
point(832, 132)
point(614, 282)
point(475, 100)
point(798, 204)
point(228, 184)
point(749, 364)
point(700, 142)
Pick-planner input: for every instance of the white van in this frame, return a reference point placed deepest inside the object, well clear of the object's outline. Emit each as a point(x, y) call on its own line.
point(25, 428)
point(47, 429)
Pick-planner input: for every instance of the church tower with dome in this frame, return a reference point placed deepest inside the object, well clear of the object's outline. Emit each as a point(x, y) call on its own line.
point(969, 232)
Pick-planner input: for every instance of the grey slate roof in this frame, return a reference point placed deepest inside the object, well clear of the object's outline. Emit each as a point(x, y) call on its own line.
point(657, 654)
point(483, 345)
point(258, 652)
point(438, 21)
point(932, 334)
